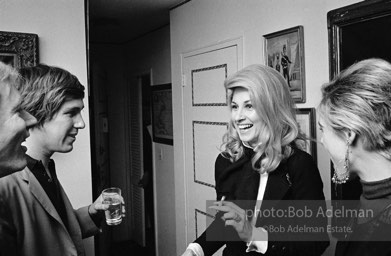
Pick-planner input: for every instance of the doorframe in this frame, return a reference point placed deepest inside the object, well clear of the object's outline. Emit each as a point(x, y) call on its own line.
point(154, 219)
point(137, 81)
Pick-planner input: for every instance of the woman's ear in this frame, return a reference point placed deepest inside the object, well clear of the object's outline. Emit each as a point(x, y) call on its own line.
point(352, 137)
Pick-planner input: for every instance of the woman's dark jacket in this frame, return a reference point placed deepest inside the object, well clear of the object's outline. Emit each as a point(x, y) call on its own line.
point(297, 178)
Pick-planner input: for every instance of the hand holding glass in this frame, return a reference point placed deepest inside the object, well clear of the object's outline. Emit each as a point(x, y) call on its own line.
point(112, 197)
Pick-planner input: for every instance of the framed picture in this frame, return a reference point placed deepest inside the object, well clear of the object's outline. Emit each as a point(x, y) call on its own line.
point(307, 125)
point(162, 126)
point(284, 51)
point(18, 49)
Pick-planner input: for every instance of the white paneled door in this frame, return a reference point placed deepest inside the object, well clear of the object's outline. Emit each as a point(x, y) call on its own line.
point(206, 118)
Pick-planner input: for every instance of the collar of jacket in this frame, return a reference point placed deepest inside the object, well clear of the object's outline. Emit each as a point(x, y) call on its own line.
point(277, 185)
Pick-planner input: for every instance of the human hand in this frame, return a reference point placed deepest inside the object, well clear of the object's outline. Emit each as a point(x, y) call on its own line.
point(99, 206)
point(236, 217)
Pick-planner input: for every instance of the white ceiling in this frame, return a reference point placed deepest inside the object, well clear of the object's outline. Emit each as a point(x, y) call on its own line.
point(120, 21)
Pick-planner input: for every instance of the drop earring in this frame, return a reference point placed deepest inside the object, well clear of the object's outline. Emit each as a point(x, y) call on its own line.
point(343, 177)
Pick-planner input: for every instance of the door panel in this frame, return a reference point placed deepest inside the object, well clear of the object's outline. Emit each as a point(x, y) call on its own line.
point(206, 118)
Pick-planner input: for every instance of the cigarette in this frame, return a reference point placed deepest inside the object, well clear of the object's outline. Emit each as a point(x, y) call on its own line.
point(221, 200)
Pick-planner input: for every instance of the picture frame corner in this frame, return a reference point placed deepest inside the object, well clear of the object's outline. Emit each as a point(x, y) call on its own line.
point(310, 114)
point(19, 49)
point(164, 134)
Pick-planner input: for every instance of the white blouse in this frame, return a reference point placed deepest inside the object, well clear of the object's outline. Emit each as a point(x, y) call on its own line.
point(259, 237)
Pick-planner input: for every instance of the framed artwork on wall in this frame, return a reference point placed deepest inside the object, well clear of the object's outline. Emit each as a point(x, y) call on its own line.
point(284, 51)
point(18, 49)
point(162, 126)
point(307, 126)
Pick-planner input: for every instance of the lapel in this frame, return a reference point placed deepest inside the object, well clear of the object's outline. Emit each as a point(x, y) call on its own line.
point(73, 224)
point(239, 183)
point(39, 193)
point(278, 184)
point(231, 168)
point(226, 182)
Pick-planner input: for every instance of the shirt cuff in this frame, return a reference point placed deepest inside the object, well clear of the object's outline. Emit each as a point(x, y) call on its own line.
point(259, 241)
point(196, 249)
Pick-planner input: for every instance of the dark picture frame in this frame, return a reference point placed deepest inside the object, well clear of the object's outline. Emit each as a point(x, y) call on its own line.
point(358, 31)
point(306, 119)
point(162, 124)
point(19, 49)
point(284, 51)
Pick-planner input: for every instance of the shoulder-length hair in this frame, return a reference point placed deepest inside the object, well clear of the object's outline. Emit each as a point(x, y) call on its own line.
point(271, 99)
point(359, 100)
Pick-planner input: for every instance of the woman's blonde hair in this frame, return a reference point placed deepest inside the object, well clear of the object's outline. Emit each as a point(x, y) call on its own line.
point(271, 99)
point(359, 100)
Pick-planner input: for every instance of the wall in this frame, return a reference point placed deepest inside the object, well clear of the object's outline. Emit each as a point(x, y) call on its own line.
point(201, 23)
point(61, 31)
point(152, 53)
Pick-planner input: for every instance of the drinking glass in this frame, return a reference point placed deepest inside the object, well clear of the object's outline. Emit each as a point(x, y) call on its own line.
point(112, 197)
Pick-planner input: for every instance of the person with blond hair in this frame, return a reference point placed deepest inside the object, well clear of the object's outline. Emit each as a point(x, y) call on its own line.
point(261, 168)
point(355, 121)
